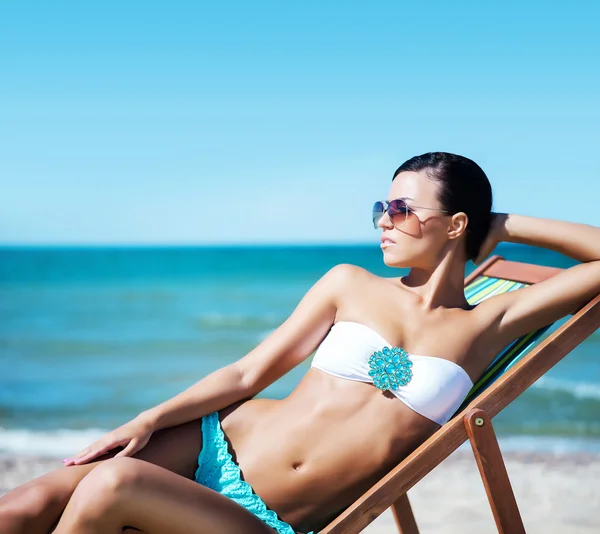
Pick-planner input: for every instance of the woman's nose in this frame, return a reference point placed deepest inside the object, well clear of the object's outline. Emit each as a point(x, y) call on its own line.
point(385, 221)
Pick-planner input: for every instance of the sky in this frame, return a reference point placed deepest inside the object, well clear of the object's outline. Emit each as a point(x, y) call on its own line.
point(281, 122)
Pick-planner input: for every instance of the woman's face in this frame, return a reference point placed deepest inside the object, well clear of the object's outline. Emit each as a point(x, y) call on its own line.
point(421, 238)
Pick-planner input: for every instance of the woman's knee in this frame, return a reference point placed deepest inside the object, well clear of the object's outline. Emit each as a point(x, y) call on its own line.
point(106, 483)
point(101, 490)
point(26, 505)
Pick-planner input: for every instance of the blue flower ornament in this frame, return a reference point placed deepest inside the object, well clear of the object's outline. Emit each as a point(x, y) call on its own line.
point(390, 368)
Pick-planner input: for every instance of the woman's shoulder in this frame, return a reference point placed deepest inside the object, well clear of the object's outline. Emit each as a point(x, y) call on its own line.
point(353, 284)
point(347, 273)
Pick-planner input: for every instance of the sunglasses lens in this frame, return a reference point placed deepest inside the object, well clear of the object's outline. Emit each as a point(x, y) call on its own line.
point(378, 210)
point(398, 212)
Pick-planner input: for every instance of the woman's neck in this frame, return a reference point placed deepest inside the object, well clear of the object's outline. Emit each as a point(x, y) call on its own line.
point(442, 287)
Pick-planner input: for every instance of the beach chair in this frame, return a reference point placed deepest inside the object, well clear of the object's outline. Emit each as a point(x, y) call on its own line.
point(517, 367)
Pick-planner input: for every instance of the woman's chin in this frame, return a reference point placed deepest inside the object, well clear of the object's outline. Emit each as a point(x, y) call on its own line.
point(394, 260)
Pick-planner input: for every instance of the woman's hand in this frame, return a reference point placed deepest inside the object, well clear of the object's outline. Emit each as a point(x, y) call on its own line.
point(133, 436)
point(496, 234)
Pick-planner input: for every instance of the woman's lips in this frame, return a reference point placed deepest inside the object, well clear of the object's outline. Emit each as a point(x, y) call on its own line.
point(386, 242)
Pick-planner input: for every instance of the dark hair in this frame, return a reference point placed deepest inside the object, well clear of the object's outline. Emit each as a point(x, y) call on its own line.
point(463, 187)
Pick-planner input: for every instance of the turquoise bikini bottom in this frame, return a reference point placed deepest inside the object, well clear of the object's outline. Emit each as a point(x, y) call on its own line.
point(217, 471)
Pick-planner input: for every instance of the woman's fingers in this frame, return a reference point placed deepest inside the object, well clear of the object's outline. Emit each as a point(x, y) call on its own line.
point(89, 456)
point(99, 451)
point(133, 436)
point(130, 450)
point(83, 451)
point(135, 445)
point(80, 454)
point(93, 451)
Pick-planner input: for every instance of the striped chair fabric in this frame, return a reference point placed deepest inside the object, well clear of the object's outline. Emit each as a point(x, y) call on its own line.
point(480, 289)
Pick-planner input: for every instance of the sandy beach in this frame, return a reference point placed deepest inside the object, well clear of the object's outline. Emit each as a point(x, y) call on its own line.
point(557, 493)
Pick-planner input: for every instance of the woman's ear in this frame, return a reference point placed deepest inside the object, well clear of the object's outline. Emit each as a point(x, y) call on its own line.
point(458, 225)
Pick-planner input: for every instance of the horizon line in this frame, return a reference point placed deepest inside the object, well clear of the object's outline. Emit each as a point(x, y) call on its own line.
point(274, 244)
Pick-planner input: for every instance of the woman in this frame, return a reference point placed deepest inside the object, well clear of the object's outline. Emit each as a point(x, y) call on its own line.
point(307, 457)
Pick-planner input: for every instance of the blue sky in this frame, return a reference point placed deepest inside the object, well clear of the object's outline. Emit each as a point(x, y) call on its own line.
point(197, 122)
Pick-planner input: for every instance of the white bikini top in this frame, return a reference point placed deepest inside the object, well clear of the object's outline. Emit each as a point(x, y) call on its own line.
point(431, 386)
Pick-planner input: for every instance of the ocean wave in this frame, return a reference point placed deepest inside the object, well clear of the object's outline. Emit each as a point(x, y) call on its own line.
point(580, 390)
point(64, 442)
point(52, 443)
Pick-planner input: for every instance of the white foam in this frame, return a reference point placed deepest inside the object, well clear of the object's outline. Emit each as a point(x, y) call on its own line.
point(63, 443)
point(547, 444)
point(53, 443)
point(581, 390)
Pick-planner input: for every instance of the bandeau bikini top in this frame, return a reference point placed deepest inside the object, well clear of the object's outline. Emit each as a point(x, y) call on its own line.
point(431, 386)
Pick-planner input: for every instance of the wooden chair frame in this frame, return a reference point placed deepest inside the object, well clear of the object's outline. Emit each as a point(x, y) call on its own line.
point(474, 422)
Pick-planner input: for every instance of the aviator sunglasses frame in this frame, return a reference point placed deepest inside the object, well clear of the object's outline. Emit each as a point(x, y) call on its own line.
point(399, 207)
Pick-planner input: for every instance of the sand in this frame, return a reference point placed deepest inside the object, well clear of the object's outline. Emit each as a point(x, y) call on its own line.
point(556, 493)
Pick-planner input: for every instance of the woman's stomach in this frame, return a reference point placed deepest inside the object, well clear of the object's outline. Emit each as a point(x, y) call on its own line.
point(311, 454)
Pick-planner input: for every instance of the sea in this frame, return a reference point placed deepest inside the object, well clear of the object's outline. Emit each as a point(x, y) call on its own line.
point(92, 336)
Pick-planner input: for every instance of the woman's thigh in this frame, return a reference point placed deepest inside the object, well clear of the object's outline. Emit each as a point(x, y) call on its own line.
point(175, 449)
point(127, 492)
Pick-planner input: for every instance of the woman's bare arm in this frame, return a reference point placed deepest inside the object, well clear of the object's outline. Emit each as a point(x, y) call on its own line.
point(281, 351)
point(533, 307)
point(576, 240)
point(285, 348)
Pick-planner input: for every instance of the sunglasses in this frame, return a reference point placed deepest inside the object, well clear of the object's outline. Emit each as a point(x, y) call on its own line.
point(397, 211)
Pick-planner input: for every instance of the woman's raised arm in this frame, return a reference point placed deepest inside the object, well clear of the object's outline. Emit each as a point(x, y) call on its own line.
point(530, 308)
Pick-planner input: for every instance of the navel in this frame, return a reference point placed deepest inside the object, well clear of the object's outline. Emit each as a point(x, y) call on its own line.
point(296, 465)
